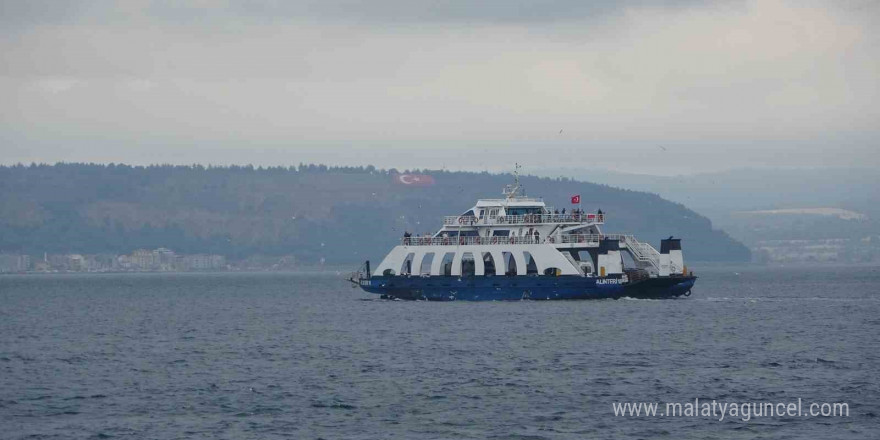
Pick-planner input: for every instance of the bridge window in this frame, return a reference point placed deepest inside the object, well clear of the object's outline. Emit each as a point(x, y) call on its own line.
point(493, 212)
point(468, 266)
point(406, 267)
point(388, 272)
point(509, 263)
point(488, 264)
point(531, 267)
point(524, 210)
point(552, 271)
point(446, 264)
point(425, 268)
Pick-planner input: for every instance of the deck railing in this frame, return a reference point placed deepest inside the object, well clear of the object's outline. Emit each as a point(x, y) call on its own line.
point(469, 220)
point(527, 239)
point(465, 241)
point(642, 252)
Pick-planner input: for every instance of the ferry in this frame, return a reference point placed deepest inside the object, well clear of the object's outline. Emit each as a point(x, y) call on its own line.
point(517, 248)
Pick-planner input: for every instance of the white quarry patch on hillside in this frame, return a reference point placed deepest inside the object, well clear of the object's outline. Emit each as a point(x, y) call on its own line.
point(831, 250)
point(843, 214)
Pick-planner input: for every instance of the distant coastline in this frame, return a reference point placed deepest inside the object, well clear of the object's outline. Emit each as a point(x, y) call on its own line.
point(160, 260)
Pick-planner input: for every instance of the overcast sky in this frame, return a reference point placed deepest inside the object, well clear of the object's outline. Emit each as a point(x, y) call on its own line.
point(640, 86)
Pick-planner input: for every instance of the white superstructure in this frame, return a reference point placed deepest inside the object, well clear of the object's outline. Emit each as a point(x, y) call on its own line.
point(519, 235)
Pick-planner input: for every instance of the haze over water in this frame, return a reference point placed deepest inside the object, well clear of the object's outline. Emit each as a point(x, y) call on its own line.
point(305, 356)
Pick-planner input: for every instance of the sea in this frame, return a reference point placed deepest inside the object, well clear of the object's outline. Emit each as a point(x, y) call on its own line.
point(306, 356)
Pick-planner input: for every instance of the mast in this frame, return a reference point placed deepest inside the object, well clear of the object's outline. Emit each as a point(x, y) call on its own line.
point(512, 191)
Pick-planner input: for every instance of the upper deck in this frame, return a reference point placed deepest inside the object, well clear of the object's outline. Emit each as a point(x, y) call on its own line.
point(526, 219)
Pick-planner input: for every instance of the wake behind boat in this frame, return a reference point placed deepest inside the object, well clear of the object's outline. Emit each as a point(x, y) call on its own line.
point(517, 248)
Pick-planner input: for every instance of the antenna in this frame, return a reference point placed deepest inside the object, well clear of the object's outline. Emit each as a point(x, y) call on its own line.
point(512, 191)
point(516, 169)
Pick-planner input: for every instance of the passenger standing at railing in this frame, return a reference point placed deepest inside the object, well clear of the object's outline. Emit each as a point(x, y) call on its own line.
point(537, 237)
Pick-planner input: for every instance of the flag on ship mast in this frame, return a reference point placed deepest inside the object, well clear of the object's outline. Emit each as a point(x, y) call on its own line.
point(576, 200)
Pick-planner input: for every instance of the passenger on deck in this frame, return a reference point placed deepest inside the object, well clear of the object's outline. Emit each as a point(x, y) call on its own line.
point(537, 237)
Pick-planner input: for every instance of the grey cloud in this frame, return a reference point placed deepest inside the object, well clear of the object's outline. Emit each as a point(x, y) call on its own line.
point(377, 12)
point(420, 11)
point(415, 83)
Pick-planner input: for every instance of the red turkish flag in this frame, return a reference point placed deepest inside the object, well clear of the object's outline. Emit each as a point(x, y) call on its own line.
point(575, 199)
point(414, 179)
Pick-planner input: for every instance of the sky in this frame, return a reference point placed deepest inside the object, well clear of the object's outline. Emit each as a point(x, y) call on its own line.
point(675, 87)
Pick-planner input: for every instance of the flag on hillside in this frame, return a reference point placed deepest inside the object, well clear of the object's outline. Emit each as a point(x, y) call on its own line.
point(413, 179)
point(575, 199)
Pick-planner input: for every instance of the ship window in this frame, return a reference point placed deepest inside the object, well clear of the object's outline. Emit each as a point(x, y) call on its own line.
point(531, 267)
point(482, 212)
point(493, 213)
point(552, 271)
point(425, 268)
point(524, 211)
point(406, 267)
point(468, 266)
point(509, 263)
point(446, 264)
point(488, 264)
point(501, 232)
point(584, 256)
point(469, 213)
point(388, 272)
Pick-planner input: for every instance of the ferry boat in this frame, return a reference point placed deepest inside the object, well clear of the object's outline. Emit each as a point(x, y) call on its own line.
point(517, 248)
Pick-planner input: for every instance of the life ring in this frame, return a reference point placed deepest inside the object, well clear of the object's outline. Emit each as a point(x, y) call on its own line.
point(501, 219)
point(688, 293)
point(550, 239)
point(461, 220)
point(494, 240)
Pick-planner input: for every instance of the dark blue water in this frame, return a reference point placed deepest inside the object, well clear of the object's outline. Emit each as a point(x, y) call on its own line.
point(305, 356)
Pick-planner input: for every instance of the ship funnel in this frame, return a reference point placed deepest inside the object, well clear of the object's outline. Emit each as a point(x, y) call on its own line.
point(671, 260)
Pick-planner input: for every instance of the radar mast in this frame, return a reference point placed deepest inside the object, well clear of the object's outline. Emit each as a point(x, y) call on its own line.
point(512, 191)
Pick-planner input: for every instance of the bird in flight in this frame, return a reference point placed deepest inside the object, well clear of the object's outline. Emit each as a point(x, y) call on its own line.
point(662, 147)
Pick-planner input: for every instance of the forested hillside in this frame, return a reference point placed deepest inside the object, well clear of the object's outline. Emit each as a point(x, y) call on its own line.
point(341, 214)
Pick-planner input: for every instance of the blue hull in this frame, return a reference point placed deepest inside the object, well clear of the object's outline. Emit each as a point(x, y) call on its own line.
point(508, 288)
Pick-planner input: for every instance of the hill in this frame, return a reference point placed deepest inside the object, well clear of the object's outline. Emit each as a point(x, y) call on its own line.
point(312, 211)
point(783, 215)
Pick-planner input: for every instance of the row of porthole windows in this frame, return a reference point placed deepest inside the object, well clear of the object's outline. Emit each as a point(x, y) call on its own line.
point(468, 265)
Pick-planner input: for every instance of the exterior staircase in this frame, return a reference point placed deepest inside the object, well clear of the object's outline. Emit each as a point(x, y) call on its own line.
point(643, 253)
